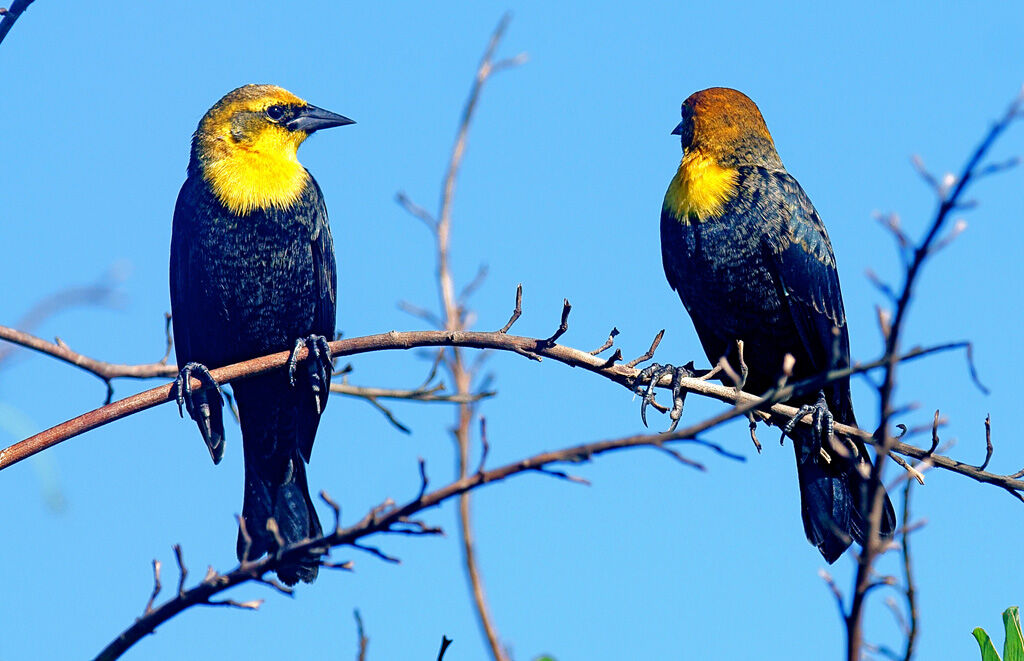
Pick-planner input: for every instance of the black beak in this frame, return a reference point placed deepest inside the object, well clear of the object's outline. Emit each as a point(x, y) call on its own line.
point(311, 118)
point(678, 130)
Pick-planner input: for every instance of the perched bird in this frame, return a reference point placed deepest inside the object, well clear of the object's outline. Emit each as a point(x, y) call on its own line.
point(750, 259)
point(253, 272)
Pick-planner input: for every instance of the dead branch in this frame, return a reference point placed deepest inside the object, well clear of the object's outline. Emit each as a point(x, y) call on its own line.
point(386, 518)
point(619, 374)
point(949, 191)
point(10, 15)
point(455, 318)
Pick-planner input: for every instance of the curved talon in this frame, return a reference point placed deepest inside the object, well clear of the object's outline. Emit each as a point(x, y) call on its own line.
point(182, 389)
point(677, 398)
point(183, 386)
point(318, 365)
point(654, 373)
point(205, 411)
point(822, 422)
point(791, 425)
point(294, 359)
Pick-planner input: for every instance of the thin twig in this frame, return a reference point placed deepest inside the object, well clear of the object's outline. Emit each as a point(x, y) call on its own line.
point(908, 577)
point(11, 14)
point(517, 312)
point(607, 343)
point(650, 352)
point(949, 190)
point(363, 639)
point(445, 642)
point(386, 518)
point(454, 319)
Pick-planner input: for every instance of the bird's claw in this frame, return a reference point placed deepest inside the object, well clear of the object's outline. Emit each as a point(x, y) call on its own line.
point(318, 365)
point(654, 373)
point(822, 423)
point(183, 393)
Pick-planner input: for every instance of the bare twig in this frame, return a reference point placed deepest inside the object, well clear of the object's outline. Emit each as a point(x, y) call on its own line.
point(988, 442)
point(453, 317)
point(416, 210)
point(607, 343)
point(908, 577)
point(650, 352)
point(363, 639)
point(949, 190)
point(445, 642)
point(563, 324)
point(517, 312)
point(11, 14)
point(157, 586)
point(386, 518)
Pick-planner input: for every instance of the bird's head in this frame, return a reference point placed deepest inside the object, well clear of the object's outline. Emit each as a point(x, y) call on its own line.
point(725, 125)
point(245, 146)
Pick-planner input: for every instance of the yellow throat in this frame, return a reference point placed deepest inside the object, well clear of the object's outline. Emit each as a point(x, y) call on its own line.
point(257, 174)
point(700, 188)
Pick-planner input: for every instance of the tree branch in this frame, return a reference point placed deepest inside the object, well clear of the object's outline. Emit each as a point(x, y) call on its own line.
point(948, 190)
point(455, 320)
point(386, 518)
point(624, 376)
point(11, 15)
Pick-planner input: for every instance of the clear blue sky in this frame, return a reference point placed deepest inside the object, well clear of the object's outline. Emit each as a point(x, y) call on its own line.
point(568, 161)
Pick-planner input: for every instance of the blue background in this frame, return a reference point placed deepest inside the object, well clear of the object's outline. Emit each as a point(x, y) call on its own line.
point(561, 189)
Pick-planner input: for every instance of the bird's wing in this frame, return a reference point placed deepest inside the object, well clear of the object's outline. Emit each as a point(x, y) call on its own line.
point(182, 297)
point(673, 249)
point(325, 279)
point(806, 276)
point(324, 269)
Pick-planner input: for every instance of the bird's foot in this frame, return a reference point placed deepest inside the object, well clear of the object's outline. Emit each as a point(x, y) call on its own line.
point(199, 404)
point(318, 366)
point(655, 372)
point(822, 423)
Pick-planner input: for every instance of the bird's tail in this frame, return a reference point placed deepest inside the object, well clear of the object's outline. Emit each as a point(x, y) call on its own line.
point(273, 436)
point(836, 499)
point(284, 496)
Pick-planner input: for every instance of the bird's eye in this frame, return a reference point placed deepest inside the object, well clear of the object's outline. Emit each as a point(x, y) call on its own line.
point(275, 112)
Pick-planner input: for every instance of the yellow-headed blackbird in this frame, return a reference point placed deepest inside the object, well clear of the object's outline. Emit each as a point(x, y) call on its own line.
point(252, 272)
point(743, 246)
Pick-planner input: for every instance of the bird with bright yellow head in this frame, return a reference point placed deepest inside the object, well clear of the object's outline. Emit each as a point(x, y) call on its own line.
point(253, 272)
point(749, 256)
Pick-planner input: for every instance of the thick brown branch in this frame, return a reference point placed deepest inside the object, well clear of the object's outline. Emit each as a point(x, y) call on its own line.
point(620, 374)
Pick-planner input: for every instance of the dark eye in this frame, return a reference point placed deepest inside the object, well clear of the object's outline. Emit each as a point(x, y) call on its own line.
point(275, 112)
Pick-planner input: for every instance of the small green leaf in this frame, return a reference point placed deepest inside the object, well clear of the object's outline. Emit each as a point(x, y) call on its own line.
point(988, 650)
point(1013, 646)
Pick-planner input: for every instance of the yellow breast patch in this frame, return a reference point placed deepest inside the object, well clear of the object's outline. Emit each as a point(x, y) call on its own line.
point(246, 182)
point(259, 172)
point(700, 188)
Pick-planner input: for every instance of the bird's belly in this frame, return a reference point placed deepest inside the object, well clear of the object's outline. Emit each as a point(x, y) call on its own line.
point(731, 293)
point(259, 294)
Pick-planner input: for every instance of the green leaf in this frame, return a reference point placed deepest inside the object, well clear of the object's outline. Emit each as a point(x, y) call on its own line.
point(988, 650)
point(1013, 646)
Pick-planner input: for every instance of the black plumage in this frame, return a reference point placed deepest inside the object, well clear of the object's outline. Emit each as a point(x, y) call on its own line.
point(757, 266)
point(244, 285)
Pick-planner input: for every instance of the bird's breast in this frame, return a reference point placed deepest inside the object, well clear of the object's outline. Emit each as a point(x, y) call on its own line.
point(701, 188)
point(248, 180)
